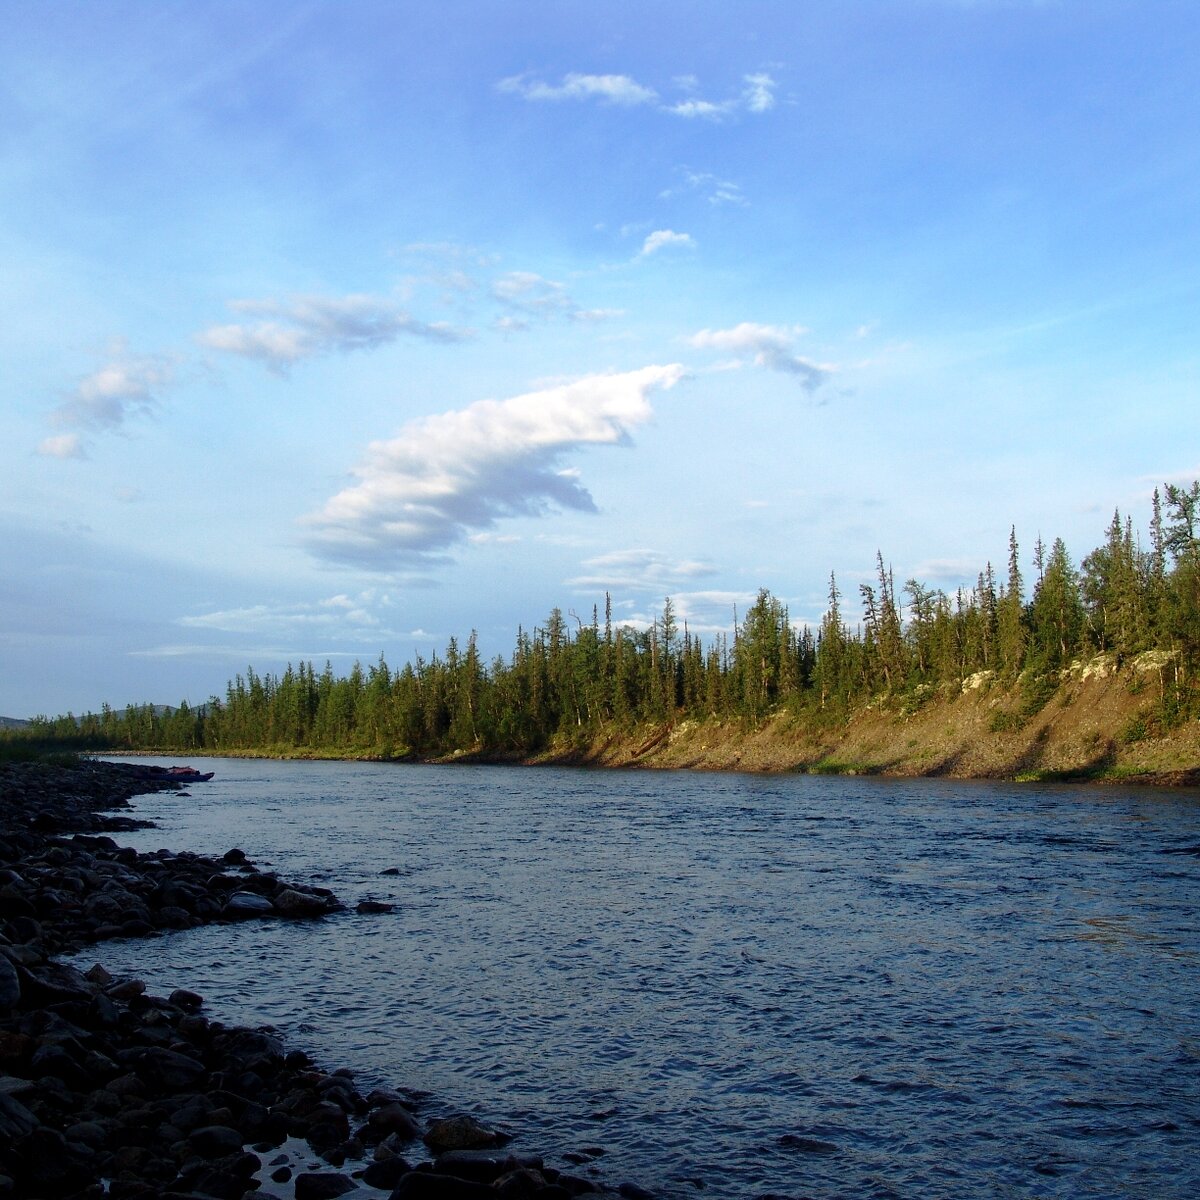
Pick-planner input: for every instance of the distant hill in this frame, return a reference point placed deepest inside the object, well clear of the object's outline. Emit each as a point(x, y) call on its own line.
point(12, 723)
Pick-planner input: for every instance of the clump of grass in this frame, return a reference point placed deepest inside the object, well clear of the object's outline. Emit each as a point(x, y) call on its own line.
point(835, 766)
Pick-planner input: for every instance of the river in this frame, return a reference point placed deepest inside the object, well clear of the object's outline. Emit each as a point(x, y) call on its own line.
point(732, 985)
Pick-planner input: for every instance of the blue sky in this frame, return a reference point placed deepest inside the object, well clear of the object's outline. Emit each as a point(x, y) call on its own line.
point(335, 329)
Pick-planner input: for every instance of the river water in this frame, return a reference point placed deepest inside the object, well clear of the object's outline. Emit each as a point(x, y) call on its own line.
point(732, 985)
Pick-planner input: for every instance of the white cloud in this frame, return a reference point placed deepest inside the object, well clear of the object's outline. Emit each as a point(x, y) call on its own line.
point(757, 94)
point(127, 385)
point(701, 108)
point(661, 238)
point(63, 445)
point(447, 476)
point(309, 325)
point(338, 617)
point(771, 346)
point(639, 570)
point(609, 89)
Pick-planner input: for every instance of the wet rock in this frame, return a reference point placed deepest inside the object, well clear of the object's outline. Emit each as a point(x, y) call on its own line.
point(16, 1121)
point(385, 1173)
point(10, 985)
point(462, 1133)
point(421, 1185)
point(292, 903)
point(522, 1184)
point(395, 1120)
point(374, 906)
point(215, 1141)
point(323, 1185)
point(248, 904)
point(227, 1178)
point(483, 1166)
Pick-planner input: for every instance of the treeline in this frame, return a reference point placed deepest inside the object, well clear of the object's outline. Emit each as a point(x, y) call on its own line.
point(587, 678)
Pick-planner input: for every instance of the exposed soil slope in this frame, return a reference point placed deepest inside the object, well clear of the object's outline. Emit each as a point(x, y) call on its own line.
point(1102, 722)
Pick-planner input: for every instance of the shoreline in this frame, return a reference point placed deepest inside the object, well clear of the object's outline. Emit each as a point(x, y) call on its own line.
point(106, 1090)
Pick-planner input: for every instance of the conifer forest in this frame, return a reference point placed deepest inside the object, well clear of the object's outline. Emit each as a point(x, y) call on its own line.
point(578, 677)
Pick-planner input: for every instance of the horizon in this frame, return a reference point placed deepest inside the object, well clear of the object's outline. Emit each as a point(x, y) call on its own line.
point(349, 329)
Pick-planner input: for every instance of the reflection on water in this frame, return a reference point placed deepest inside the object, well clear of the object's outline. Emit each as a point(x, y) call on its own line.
point(818, 987)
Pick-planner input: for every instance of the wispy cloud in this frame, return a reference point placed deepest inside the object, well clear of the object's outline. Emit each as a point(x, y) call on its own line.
point(447, 476)
point(640, 571)
point(306, 326)
point(528, 296)
point(756, 96)
point(716, 191)
point(772, 346)
point(662, 238)
point(609, 89)
point(127, 385)
point(339, 617)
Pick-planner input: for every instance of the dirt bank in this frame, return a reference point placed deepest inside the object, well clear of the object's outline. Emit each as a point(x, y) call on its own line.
point(1102, 722)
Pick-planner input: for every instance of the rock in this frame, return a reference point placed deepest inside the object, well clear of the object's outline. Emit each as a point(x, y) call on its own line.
point(385, 1173)
point(165, 1069)
point(98, 975)
point(394, 1119)
point(227, 1178)
point(374, 906)
point(248, 904)
point(10, 985)
point(483, 1166)
point(16, 1121)
point(462, 1133)
point(421, 1185)
point(127, 989)
point(234, 857)
point(323, 1185)
point(291, 903)
point(521, 1184)
point(215, 1141)
point(182, 998)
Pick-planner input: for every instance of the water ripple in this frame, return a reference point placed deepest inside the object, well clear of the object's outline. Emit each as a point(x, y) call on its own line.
point(734, 985)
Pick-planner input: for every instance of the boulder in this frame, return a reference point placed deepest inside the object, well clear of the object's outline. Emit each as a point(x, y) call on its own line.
point(394, 1119)
point(462, 1133)
point(291, 903)
point(421, 1185)
point(248, 904)
point(323, 1185)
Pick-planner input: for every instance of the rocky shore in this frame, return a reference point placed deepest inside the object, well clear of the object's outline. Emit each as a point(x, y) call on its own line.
point(106, 1090)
